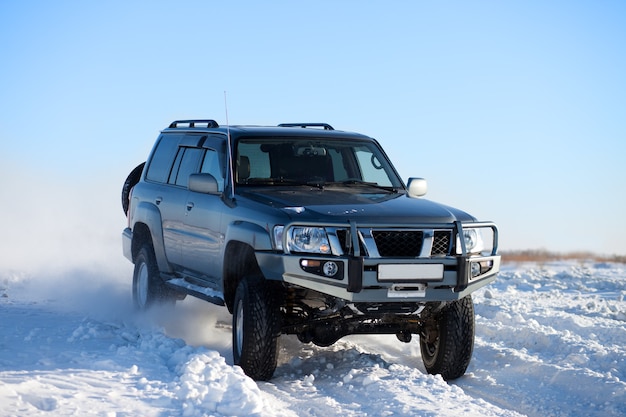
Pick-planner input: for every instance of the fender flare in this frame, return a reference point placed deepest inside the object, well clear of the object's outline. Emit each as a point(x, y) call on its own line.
point(254, 235)
point(149, 215)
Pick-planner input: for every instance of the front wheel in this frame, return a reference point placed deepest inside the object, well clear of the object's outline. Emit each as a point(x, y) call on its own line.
point(148, 287)
point(447, 341)
point(256, 327)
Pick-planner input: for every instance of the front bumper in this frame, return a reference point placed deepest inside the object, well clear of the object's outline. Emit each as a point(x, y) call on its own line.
point(127, 244)
point(363, 280)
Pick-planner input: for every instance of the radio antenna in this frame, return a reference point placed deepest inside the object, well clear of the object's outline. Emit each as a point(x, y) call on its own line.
point(229, 153)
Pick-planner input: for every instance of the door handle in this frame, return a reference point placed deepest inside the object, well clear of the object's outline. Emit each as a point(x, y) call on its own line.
point(158, 200)
point(189, 206)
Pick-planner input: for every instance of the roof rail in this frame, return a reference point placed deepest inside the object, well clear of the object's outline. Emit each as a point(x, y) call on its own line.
point(326, 126)
point(192, 123)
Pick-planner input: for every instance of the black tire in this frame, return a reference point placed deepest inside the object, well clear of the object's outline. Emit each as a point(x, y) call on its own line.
point(448, 342)
point(256, 327)
point(132, 180)
point(148, 287)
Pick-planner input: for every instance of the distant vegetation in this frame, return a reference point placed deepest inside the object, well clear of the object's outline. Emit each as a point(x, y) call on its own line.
point(542, 255)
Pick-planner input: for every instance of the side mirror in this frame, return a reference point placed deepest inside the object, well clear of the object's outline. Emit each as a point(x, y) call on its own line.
point(417, 187)
point(203, 183)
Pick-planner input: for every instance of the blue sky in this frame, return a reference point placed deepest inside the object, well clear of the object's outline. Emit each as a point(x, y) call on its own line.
point(513, 111)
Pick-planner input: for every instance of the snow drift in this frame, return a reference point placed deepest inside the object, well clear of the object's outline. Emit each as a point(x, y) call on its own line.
point(550, 341)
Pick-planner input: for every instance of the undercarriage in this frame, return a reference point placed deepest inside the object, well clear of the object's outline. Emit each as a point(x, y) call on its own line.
point(323, 319)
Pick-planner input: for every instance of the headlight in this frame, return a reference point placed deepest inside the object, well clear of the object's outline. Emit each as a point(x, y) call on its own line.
point(473, 241)
point(308, 239)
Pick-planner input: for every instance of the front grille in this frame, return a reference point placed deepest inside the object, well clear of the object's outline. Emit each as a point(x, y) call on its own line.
point(346, 242)
point(441, 243)
point(398, 243)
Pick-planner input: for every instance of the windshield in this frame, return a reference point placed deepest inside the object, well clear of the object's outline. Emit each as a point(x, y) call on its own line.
point(268, 161)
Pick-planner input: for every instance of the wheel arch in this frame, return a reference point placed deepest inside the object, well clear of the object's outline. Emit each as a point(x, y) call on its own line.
point(240, 261)
point(243, 240)
point(147, 229)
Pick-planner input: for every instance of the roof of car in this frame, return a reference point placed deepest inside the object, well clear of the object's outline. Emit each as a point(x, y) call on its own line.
point(285, 129)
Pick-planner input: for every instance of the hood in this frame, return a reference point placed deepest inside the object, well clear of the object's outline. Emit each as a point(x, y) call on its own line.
point(362, 205)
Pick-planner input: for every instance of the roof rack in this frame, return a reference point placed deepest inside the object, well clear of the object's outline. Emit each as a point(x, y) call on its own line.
point(192, 123)
point(326, 126)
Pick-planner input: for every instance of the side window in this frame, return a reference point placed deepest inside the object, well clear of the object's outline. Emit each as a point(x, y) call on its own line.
point(174, 172)
point(211, 165)
point(187, 163)
point(162, 158)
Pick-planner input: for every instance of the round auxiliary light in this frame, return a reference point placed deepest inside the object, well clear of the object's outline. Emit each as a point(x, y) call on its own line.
point(475, 269)
point(330, 268)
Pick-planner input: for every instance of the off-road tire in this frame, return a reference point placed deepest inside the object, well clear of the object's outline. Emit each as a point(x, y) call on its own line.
point(449, 350)
point(132, 180)
point(148, 287)
point(256, 327)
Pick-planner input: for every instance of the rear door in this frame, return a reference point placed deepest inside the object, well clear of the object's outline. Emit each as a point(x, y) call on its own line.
point(156, 190)
point(204, 239)
point(173, 197)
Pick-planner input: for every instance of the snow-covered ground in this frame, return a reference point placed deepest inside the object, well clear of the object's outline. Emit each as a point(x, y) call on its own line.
point(550, 341)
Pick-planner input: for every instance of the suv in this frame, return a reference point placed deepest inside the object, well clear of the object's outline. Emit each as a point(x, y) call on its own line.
point(302, 229)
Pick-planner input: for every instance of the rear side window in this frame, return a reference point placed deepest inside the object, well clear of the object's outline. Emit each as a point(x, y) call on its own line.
point(189, 159)
point(162, 158)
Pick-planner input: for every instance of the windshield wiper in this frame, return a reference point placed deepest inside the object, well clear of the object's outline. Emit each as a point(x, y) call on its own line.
point(366, 184)
point(283, 181)
point(316, 183)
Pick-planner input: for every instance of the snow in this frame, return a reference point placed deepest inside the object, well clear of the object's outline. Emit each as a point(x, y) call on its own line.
point(550, 341)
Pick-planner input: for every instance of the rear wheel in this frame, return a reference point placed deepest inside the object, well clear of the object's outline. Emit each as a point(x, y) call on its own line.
point(447, 341)
point(256, 327)
point(148, 287)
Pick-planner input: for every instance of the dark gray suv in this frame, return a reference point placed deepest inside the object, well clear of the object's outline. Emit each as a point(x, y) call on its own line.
point(302, 229)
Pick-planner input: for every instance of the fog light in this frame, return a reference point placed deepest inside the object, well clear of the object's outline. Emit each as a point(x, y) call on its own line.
point(326, 269)
point(475, 269)
point(330, 269)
